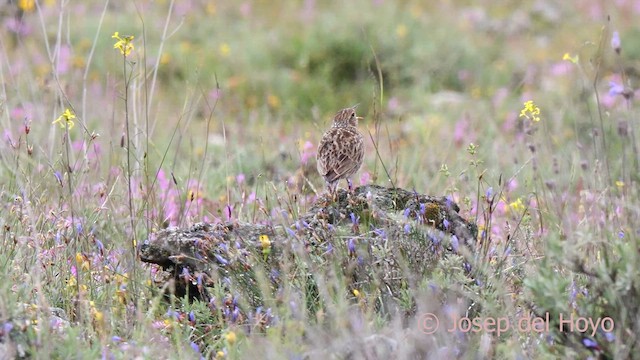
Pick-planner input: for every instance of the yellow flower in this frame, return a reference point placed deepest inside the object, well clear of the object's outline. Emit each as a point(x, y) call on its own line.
point(620, 184)
point(530, 111)
point(356, 293)
point(66, 119)
point(26, 5)
point(82, 261)
point(231, 337)
point(401, 31)
point(220, 354)
point(225, 49)
point(265, 242)
point(273, 101)
point(517, 206)
point(568, 57)
point(124, 44)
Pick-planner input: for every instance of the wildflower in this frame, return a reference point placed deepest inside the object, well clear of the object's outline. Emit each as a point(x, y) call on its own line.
point(273, 101)
point(220, 354)
point(355, 220)
point(590, 344)
point(568, 57)
point(454, 243)
point(620, 184)
point(290, 232)
point(124, 44)
point(26, 5)
point(66, 119)
point(221, 260)
point(615, 88)
point(401, 31)
point(266, 245)
point(489, 193)
point(58, 177)
point(517, 206)
point(265, 242)
point(231, 337)
point(225, 49)
point(356, 293)
point(530, 111)
point(351, 246)
point(82, 261)
point(615, 42)
point(380, 232)
point(407, 228)
point(97, 314)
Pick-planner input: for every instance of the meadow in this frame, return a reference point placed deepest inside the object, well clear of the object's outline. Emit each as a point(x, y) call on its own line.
point(121, 118)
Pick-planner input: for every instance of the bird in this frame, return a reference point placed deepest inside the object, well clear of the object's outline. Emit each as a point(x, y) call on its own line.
point(341, 150)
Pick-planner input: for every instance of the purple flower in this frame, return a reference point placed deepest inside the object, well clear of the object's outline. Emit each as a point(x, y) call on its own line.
point(507, 252)
point(221, 260)
point(192, 317)
point(351, 245)
point(615, 88)
point(172, 314)
point(590, 344)
point(240, 179)
point(609, 336)
point(290, 232)
point(621, 234)
point(489, 193)
point(58, 177)
point(454, 243)
point(185, 274)
point(355, 220)
point(615, 42)
point(195, 347)
point(380, 232)
point(100, 246)
point(407, 228)
point(274, 275)
point(7, 327)
point(422, 208)
point(407, 212)
point(445, 224)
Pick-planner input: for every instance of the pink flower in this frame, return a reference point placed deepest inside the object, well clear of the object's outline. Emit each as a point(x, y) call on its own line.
point(365, 178)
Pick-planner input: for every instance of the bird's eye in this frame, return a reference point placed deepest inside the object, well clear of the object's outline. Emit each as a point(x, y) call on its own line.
point(353, 114)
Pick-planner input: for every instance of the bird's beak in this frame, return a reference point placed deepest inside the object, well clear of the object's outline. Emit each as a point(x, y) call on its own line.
point(359, 118)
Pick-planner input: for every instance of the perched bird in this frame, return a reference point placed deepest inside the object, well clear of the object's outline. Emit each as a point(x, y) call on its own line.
point(341, 150)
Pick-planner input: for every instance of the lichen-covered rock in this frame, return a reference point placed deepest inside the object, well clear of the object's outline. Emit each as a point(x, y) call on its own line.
point(374, 236)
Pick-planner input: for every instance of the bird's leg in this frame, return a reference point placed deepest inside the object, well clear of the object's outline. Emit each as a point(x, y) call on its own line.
point(333, 190)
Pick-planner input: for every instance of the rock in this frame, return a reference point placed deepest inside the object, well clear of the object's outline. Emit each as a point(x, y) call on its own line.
point(374, 233)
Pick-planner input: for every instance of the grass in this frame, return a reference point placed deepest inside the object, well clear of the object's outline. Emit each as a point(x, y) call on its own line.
point(214, 116)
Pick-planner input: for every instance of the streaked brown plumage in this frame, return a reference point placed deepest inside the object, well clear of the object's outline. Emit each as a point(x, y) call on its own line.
point(341, 150)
